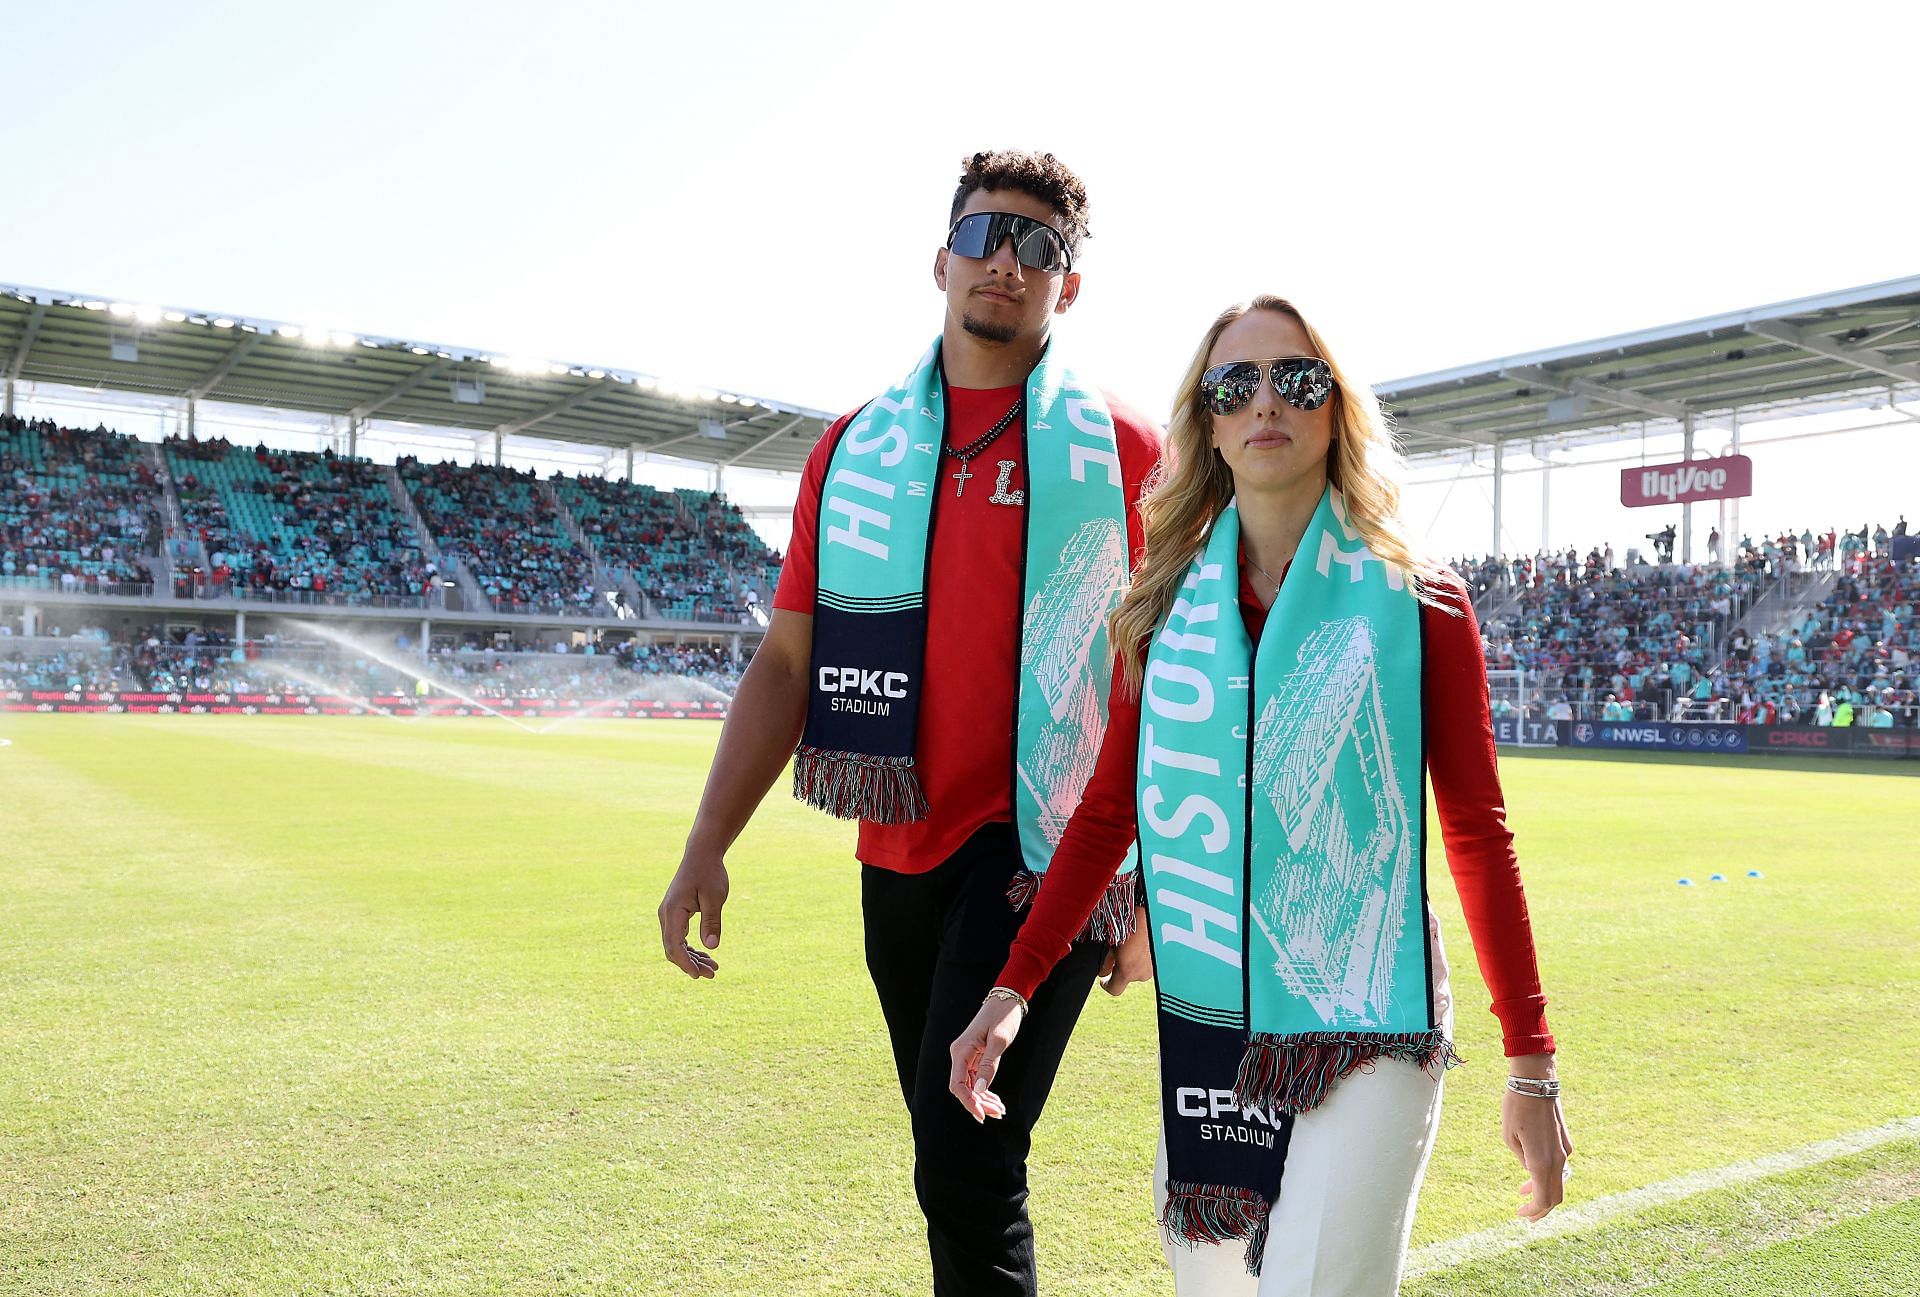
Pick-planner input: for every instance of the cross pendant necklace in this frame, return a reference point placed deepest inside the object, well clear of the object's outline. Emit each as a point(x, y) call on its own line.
point(978, 444)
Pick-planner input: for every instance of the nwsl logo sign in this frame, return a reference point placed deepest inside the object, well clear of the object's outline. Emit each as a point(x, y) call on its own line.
point(1683, 483)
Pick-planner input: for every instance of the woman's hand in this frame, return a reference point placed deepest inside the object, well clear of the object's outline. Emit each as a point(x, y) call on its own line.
point(1131, 961)
point(976, 1057)
point(1536, 1131)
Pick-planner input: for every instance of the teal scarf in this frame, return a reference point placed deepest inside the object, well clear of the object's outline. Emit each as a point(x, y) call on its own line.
point(1282, 821)
point(878, 504)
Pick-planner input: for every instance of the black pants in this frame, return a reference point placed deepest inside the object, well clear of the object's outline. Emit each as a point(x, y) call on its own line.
point(935, 944)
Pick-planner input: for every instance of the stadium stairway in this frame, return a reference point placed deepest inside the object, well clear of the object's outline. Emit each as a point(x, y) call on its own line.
point(180, 546)
point(603, 578)
point(472, 596)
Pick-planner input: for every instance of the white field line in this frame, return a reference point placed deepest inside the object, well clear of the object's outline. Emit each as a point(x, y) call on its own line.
point(1451, 1252)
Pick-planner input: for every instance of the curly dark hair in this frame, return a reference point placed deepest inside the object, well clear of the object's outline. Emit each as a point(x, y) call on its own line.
point(1038, 175)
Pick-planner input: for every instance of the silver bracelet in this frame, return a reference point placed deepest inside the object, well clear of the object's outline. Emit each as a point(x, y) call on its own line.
point(1535, 1087)
point(1008, 993)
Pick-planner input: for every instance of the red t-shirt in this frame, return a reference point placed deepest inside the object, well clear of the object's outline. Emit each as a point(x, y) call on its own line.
point(964, 747)
point(1466, 792)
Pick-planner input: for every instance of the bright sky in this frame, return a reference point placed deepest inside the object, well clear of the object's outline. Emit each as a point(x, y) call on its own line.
point(750, 195)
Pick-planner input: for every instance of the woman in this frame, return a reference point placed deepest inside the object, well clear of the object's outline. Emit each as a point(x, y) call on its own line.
point(1270, 766)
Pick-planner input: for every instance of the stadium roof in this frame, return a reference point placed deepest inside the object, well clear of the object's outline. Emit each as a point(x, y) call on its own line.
point(1841, 349)
point(1847, 348)
point(79, 340)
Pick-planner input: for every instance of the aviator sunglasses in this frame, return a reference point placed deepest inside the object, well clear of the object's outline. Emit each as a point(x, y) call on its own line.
point(1037, 244)
point(1304, 382)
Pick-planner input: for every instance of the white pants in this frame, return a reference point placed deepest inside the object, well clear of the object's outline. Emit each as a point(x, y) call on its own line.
point(1354, 1167)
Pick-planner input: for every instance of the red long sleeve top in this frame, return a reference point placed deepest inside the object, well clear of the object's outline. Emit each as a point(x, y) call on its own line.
point(1466, 791)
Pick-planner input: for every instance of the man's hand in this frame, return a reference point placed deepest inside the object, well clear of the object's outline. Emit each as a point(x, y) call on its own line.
point(1132, 960)
point(699, 886)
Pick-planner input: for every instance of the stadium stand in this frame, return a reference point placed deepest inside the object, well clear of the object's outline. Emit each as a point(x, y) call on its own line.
point(507, 534)
point(691, 554)
point(297, 527)
point(76, 509)
point(1674, 641)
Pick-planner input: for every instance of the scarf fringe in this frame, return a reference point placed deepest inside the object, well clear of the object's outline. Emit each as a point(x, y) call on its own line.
point(1217, 1213)
point(1292, 1073)
point(1112, 919)
point(856, 786)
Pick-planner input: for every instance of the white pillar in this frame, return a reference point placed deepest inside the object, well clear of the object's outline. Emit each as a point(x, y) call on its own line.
point(353, 436)
point(192, 408)
point(426, 639)
point(240, 628)
point(1729, 532)
point(1499, 482)
point(1546, 505)
point(498, 447)
point(30, 621)
point(9, 398)
point(629, 463)
point(1686, 510)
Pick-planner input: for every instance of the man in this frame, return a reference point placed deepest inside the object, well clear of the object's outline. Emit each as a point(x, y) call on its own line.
point(937, 650)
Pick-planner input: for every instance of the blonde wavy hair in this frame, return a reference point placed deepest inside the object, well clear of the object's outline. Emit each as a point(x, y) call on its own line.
point(1193, 484)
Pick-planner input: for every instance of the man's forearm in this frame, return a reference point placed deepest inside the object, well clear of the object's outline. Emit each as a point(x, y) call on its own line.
point(762, 727)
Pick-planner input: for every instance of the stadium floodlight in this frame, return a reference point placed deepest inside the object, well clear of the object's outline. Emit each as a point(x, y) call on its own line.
point(708, 394)
point(370, 342)
point(746, 400)
point(596, 373)
point(176, 317)
point(94, 304)
point(645, 383)
point(120, 310)
point(288, 330)
point(342, 339)
point(147, 314)
point(556, 369)
point(418, 351)
point(223, 323)
point(729, 398)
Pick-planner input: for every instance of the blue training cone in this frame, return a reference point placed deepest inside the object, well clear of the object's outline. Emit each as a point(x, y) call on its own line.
point(1754, 873)
point(1686, 882)
point(1718, 878)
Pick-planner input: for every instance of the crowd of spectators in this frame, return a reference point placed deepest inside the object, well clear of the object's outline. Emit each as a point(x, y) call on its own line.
point(1652, 642)
point(295, 526)
point(496, 523)
point(76, 509)
point(196, 661)
point(692, 554)
point(1851, 660)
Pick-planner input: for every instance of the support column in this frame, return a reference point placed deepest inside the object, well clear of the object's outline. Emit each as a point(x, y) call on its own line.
point(498, 444)
point(193, 406)
point(1546, 504)
point(1499, 483)
point(629, 463)
point(735, 647)
point(716, 479)
point(1686, 510)
point(1731, 530)
point(30, 621)
point(426, 639)
point(353, 436)
point(240, 628)
point(9, 398)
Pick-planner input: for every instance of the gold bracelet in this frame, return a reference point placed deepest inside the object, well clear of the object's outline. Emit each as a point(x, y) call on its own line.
point(1008, 993)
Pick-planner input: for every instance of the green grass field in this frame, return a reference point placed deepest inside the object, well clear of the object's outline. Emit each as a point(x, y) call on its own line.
point(353, 1006)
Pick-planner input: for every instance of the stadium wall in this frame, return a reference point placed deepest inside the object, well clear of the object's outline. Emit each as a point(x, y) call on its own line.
point(1709, 736)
